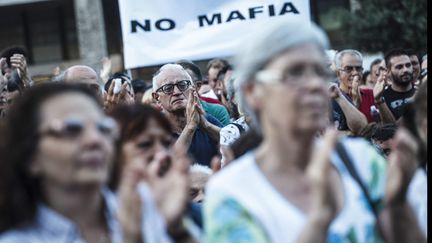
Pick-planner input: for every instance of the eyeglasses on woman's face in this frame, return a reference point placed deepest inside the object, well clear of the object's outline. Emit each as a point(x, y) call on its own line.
point(72, 128)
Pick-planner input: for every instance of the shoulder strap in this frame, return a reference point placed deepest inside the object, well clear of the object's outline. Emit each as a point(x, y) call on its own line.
point(240, 128)
point(349, 165)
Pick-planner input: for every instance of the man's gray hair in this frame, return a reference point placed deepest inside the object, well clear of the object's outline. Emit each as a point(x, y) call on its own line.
point(269, 42)
point(168, 66)
point(341, 54)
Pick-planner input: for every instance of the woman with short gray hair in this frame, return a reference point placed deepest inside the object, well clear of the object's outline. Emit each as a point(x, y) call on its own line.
point(293, 187)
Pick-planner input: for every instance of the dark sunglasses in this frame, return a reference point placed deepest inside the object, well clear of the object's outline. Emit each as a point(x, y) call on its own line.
point(73, 128)
point(181, 85)
point(349, 69)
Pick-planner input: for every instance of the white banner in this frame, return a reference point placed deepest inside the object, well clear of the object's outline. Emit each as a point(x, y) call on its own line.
point(157, 32)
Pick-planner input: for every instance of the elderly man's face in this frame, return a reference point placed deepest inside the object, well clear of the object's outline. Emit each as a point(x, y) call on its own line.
point(175, 99)
point(351, 67)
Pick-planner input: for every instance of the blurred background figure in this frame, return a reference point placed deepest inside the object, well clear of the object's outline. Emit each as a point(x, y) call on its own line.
point(146, 138)
point(14, 77)
point(374, 71)
point(63, 146)
point(199, 175)
point(139, 88)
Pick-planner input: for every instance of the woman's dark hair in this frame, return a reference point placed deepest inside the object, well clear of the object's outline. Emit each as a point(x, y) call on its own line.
point(132, 121)
point(139, 86)
point(20, 191)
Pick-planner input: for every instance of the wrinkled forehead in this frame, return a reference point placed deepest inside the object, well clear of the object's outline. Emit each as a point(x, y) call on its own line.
point(172, 75)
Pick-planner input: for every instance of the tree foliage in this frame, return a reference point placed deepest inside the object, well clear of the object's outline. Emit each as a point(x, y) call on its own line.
point(382, 25)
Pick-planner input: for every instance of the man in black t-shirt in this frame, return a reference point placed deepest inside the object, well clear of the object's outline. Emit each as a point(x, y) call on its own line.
point(401, 90)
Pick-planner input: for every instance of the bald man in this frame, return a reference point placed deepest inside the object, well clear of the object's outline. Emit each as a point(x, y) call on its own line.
point(84, 75)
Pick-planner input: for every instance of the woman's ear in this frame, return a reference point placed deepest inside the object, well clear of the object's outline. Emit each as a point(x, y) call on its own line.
point(254, 95)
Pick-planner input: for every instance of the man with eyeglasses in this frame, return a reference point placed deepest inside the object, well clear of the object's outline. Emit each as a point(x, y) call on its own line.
point(215, 109)
point(197, 131)
point(350, 105)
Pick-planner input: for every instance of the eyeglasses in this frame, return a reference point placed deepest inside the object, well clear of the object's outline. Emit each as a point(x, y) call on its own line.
point(181, 85)
point(293, 74)
point(73, 128)
point(349, 69)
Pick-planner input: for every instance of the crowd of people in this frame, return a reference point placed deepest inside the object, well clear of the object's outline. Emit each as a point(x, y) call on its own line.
point(285, 144)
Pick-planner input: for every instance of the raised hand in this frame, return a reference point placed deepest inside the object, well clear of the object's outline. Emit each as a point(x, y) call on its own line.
point(334, 91)
point(129, 211)
point(193, 115)
point(170, 186)
point(106, 69)
point(3, 81)
point(380, 84)
point(319, 174)
point(19, 62)
point(323, 194)
point(355, 92)
point(402, 164)
point(112, 99)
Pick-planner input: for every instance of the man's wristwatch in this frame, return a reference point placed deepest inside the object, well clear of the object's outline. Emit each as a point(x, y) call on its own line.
point(379, 100)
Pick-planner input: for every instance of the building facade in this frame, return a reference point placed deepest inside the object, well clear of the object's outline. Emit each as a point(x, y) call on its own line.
point(61, 33)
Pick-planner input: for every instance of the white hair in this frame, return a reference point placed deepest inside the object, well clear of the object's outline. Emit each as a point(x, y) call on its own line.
point(341, 54)
point(169, 66)
point(267, 43)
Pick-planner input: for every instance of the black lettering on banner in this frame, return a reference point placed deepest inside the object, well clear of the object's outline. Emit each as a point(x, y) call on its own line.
point(161, 24)
point(202, 18)
point(208, 20)
point(171, 24)
point(235, 15)
point(291, 8)
point(135, 24)
point(271, 10)
point(254, 10)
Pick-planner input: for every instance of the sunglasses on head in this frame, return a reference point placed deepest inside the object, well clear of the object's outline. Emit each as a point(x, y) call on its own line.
point(181, 85)
point(73, 128)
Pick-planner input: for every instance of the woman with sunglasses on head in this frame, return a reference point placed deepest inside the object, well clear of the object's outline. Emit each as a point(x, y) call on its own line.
point(295, 187)
point(57, 150)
